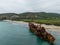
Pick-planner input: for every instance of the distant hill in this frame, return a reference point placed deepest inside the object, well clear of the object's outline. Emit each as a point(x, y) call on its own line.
point(41, 15)
point(36, 15)
point(7, 14)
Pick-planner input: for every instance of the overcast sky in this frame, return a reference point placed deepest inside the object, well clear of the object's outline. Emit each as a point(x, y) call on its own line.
point(20, 6)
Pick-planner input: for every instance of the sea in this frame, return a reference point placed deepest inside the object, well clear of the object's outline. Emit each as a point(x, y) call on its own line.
point(19, 34)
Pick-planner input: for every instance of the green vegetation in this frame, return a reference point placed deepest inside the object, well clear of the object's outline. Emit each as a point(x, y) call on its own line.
point(39, 17)
point(48, 22)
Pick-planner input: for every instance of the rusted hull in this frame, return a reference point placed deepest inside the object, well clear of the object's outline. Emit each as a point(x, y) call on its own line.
point(49, 38)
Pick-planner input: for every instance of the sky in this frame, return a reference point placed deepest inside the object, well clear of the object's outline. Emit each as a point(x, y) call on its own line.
point(20, 6)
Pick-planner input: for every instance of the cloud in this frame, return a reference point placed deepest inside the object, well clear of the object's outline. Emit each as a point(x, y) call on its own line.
point(19, 6)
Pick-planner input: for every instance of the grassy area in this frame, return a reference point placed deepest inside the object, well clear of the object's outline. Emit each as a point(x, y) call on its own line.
point(44, 21)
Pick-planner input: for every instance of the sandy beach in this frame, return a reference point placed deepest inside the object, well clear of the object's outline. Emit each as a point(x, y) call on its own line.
point(44, 25)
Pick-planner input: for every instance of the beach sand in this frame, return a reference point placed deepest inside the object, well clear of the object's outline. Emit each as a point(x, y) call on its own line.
point(48, 27)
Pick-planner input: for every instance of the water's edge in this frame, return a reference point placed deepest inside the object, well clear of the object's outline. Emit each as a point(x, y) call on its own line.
point(12, 33)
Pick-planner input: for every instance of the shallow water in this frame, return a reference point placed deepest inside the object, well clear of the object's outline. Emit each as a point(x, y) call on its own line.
point(19, 34)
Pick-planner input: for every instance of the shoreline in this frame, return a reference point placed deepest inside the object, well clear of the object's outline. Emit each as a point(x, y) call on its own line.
point(44, 25)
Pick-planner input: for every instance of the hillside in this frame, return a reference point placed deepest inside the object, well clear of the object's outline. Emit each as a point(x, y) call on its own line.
point(41, 15)
point(29, 15)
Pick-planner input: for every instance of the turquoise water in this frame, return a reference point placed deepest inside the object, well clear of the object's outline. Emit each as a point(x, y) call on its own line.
point(19, 34)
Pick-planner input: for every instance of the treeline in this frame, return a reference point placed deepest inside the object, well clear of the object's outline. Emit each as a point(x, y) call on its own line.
point(29, 15)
